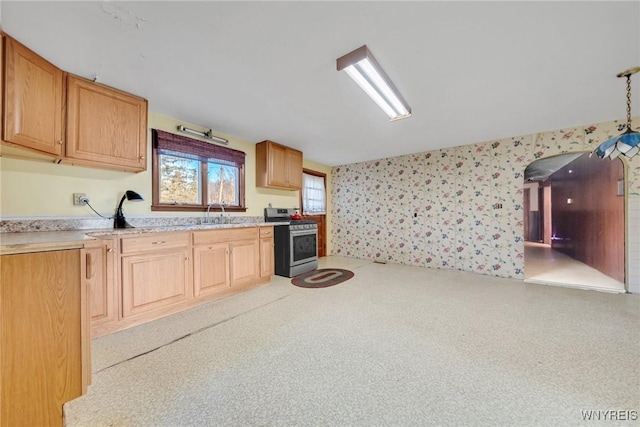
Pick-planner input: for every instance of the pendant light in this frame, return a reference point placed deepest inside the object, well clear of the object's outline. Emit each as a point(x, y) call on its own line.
point(628, 142)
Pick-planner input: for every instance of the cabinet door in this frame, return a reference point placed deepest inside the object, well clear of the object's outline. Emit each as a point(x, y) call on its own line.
point(211, 268)
point(294, 169)
point(42, 309)
point(267, 261)
point(99, 275)
point(33, 100)
point(244, 262)
point(156, 280)
point(105, 126)
point(277, 165)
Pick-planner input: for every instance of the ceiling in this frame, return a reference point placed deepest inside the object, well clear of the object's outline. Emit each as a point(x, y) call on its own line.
point(471, 71)
point(542, 169)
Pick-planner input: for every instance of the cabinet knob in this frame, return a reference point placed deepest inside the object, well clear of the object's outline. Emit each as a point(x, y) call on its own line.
point(60, 142)
point(141, 157)
point(109, 250)
point(186, 258)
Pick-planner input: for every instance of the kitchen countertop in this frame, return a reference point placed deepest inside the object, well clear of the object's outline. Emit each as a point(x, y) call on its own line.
point(39, 241)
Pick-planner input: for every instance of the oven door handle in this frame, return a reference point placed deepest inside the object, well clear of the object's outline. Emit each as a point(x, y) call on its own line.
point(304, 232)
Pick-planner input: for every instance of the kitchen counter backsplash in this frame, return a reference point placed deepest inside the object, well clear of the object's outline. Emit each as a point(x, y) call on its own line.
point(29, 225)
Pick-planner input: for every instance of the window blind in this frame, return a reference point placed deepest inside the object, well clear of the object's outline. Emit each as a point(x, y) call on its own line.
point(170, 143)
point(313, 195)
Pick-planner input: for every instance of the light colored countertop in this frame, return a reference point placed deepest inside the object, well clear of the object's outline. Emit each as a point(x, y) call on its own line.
point(39, 241)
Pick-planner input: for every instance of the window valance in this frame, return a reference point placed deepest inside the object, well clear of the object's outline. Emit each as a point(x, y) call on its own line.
point(169, 142)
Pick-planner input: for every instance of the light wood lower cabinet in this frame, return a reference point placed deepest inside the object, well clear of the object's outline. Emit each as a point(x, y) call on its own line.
point(211, 264)
point(245, 261)
point(267, 261)
point(153, 281)
point(163, 273)
point(225, 259)
point(44, 340)
point(100, 273)
point(155, 272)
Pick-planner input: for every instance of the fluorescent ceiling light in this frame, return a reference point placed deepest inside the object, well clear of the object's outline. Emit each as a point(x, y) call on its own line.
point(362, 67)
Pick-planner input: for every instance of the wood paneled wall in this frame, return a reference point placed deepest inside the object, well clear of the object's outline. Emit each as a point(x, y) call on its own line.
point(588, 215)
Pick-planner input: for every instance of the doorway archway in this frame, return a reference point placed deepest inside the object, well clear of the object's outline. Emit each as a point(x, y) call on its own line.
point(574, 222)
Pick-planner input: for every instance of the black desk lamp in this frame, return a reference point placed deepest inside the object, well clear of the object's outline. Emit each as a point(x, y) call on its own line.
point(119, 221)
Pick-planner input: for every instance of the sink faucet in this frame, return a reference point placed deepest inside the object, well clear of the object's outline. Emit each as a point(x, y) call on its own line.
point(208, 216)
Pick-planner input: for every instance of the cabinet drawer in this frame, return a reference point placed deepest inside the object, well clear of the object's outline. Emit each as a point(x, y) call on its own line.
point(225, 235)
point(154, 242)
point(266, 232)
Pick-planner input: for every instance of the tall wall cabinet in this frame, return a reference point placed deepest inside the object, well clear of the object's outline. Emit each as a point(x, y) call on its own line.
point(67, 118)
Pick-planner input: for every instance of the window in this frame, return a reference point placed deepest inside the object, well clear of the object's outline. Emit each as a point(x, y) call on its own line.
point(313, 194)
point(190, 174)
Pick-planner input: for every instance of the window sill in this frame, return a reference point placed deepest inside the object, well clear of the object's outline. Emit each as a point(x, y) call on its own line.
point(188, 208)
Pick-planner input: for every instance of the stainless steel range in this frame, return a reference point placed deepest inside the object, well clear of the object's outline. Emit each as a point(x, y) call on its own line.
point(296, 242)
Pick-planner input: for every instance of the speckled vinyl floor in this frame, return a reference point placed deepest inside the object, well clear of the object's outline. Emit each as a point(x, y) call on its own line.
point(395, 345)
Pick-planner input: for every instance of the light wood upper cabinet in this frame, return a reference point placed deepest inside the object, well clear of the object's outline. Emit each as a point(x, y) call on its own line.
point(105, 126)
point(44, 342)
point(49, 114)
point(33, 100)
point(278, 166)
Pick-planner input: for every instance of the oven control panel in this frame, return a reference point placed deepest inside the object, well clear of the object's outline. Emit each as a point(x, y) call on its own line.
point(303, 225)
point(281, 213)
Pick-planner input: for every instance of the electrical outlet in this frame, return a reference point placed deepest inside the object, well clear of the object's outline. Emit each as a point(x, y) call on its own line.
point(79, 199)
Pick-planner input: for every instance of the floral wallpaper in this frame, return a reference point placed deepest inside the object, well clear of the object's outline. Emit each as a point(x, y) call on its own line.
point(457, 208)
